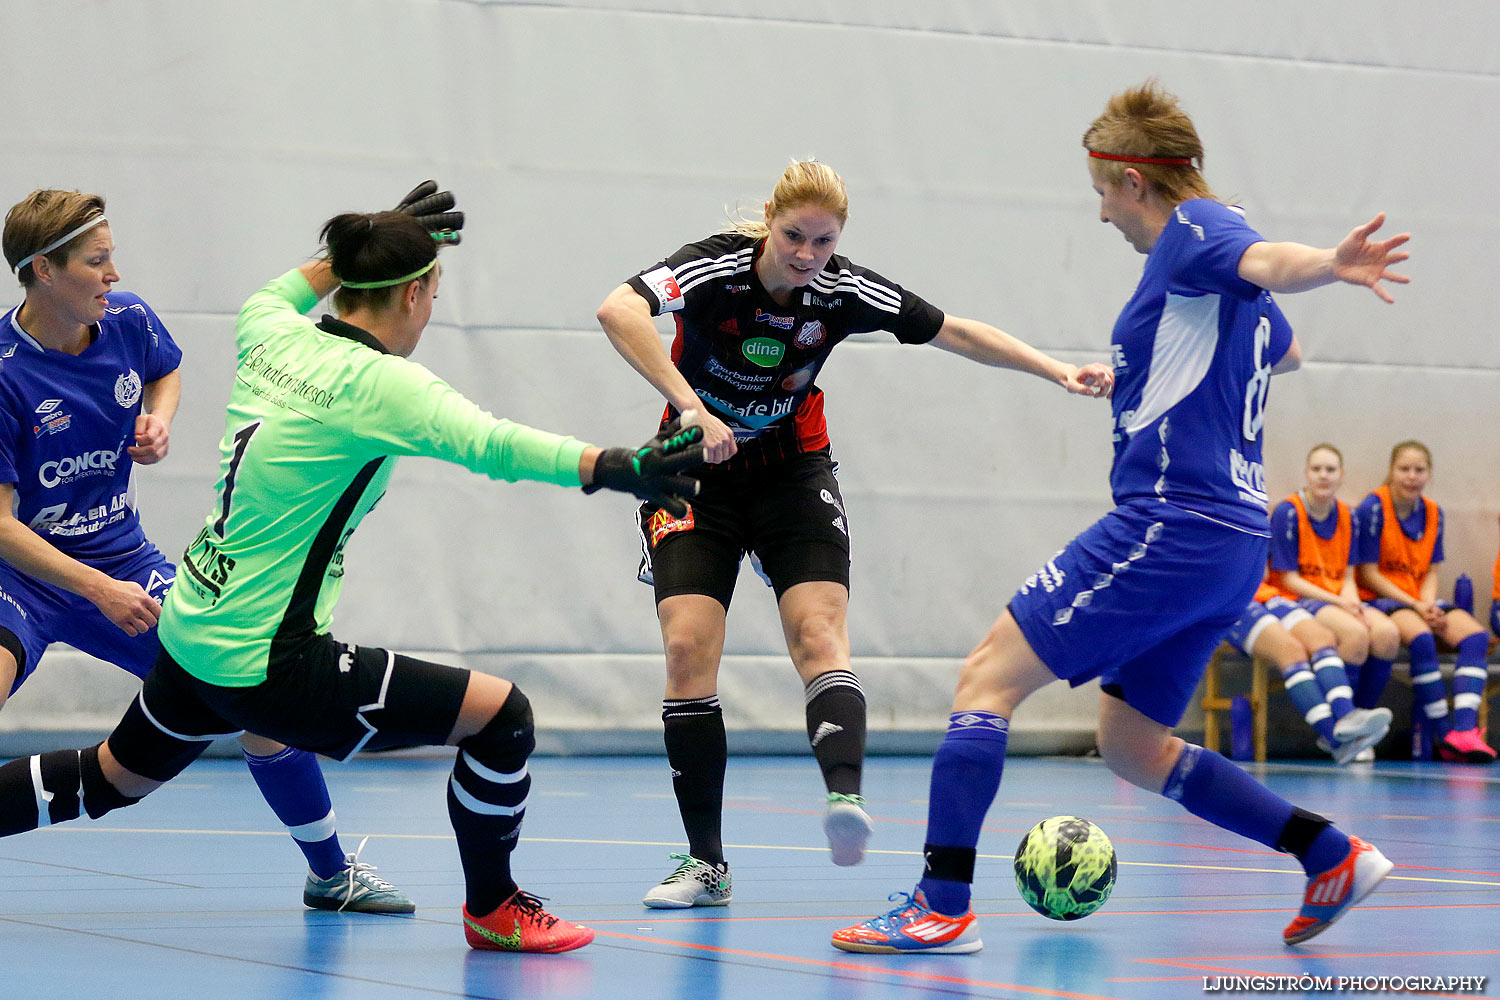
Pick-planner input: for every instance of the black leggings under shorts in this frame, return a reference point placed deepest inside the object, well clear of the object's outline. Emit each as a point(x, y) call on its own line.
point(326, 696)
point(790, 515)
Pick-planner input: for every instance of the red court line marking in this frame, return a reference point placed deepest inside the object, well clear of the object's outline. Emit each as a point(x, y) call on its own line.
point(639, 921)
point(1287, 956)
point(852, 967)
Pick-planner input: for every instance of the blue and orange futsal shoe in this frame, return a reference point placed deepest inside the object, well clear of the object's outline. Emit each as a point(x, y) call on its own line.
point(520, 924)
point(1332, 894)
point(912, 927)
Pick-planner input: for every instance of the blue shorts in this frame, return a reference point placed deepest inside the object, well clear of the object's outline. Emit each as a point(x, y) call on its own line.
point(1140, 600)
point(37, 614)
point(1389, 605)
point(1243, 633)
point(1311, 605)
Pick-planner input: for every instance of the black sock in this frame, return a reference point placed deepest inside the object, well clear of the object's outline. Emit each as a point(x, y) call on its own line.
point(487, 794)
point(836, 728)
point(693, 730)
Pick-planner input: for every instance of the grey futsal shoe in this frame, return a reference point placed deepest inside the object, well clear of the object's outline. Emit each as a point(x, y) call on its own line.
point(356, 889)
point(694, 883)
point(848, 828)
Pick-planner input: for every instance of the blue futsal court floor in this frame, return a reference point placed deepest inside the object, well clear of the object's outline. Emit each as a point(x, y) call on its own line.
point(195, 893)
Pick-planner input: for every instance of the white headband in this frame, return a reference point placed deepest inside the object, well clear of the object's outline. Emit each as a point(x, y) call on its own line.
point(59, 242)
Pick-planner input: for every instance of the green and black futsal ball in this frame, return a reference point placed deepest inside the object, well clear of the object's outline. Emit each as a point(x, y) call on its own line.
point(1065, 868)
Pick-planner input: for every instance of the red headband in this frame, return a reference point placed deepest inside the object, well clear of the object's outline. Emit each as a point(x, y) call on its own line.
point(1171, 161)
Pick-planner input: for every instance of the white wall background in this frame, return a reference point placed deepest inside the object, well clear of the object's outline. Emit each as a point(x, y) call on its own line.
point(588, 138)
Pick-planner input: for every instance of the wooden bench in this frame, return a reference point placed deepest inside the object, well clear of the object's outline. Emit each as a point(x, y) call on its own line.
point(1263, 675)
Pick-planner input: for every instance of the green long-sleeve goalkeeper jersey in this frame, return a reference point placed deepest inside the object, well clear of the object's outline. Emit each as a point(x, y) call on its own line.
point(316, 417)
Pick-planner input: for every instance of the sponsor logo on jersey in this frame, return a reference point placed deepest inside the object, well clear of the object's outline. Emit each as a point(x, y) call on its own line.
point(55, 520)
point(763, 351)
point(738, 379)
point(663, 524)
point(1249, 478)
point(53, 420)
point(754, 415)
point(798, 379)
point(730, 326)
point(55, 424)
point(736, 289)
point(778, 322)
point(663, 284)
point(811, 335)
point(128, 389)
point(280, 383)
point(64, 470)
point(809, 299)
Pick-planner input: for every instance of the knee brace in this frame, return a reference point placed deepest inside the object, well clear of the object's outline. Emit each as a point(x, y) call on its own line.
point(490, 775)
point(509, 736)
point(99, 796)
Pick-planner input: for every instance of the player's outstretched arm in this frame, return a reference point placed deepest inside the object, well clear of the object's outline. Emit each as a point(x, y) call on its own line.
point(652, 472)
point(626, 319)
point(988, 345)
point(1357, 260)
point(434, 209)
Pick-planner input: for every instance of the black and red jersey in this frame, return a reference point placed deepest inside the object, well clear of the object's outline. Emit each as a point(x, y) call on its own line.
point(756, 362)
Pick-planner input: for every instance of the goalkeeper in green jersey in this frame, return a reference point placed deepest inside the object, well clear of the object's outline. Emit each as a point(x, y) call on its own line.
point(318, 413)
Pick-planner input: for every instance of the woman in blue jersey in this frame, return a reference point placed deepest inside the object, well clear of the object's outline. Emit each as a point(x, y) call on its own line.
point(88, 387)
point(317, 414)
point(758, 311)
point(1141, 598)
point(1398, 549)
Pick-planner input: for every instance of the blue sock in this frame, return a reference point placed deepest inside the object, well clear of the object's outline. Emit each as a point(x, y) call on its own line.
point(1328, 849)
point(1469, 677)
point(1307, 697)
point(1495, 618)
point(1374, 675)
point(1210, 787)
point(1334, 681)
point(292, 784)
point(965, 776)
point(1427, 682)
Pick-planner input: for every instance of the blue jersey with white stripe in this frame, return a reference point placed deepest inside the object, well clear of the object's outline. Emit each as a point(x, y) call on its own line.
point(66, 420)
point(1193, 352)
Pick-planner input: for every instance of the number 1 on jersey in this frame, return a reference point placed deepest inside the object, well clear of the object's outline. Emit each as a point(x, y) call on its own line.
point(241, 439)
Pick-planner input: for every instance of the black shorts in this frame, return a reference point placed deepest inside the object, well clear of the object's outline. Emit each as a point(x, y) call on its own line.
point(789, 516)
point(329, 697)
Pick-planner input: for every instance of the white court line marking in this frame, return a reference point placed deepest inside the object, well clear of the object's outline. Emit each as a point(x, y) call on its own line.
point(748, 847)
